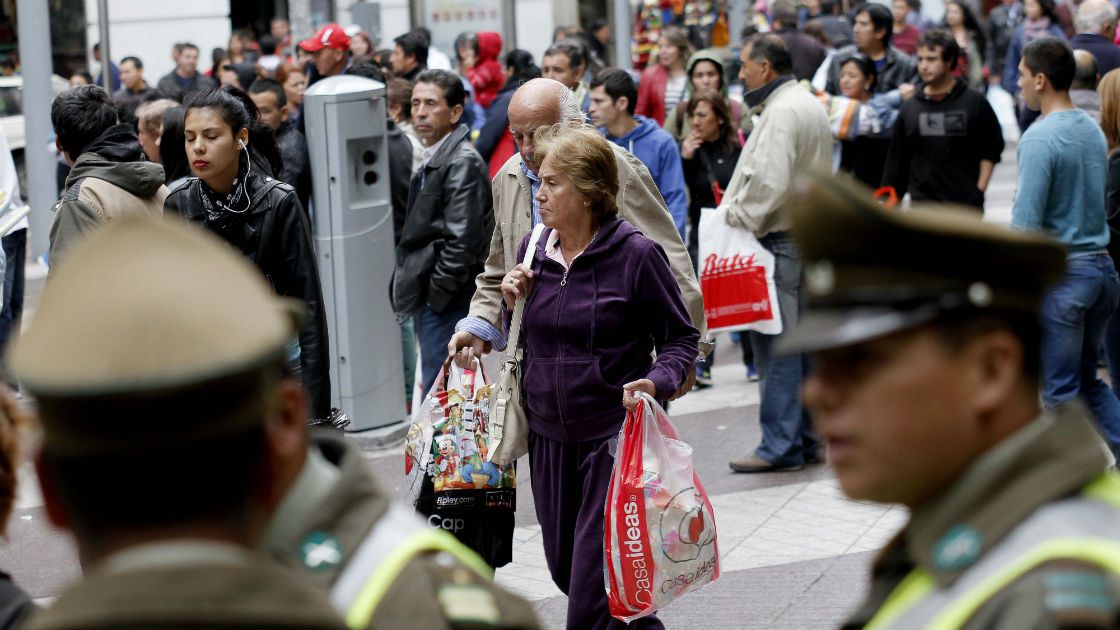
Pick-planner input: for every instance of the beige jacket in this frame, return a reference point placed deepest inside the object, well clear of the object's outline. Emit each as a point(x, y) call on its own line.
point(790, 138)
point(639, 202)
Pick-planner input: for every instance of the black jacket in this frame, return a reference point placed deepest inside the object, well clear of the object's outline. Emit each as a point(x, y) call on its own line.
point(169, 87)
point(900, 68)
point(497, 121)
point(297, 163)
point(937, 146)
point(806, 52)
point(400, 174)
point(446, 234)
point(275, 235)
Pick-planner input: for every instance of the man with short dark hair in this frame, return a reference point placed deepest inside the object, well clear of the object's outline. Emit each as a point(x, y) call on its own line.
point(947, 139)
point(134, 91)
point(924, 329)
point(1083, 90)
point(410, 56)
point(1063, 167)
point(134, 383)
point(272, 102)
point(114, 71)
point(807, 53)
point(268, 60)
point(445, 237)
point(436, 59)
point(109, 176)
point(872, 31)
point(185, 78)
point(792, 136)
point(329, 48)
point(564, 62)
point(835, 26)
point(613, 99)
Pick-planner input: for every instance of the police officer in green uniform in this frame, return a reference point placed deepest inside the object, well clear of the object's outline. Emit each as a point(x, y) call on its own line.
point(157, 357)
point(383, 566)
point(924, 329)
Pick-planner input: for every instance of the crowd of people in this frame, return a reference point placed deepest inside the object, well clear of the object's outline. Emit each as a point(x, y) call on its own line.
point(618, 166)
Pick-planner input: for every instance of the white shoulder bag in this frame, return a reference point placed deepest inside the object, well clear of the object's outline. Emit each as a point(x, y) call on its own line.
point(509, 426)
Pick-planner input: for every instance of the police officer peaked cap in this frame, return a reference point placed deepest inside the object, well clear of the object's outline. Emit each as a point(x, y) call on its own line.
point(152, 316)
point(871, 271)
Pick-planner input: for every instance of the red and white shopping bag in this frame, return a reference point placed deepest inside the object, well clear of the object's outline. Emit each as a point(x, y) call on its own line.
point(660, 531)
point(736, 278)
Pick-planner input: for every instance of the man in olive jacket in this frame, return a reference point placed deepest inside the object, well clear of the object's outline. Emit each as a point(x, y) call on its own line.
point(443, 242)
point(541, 103)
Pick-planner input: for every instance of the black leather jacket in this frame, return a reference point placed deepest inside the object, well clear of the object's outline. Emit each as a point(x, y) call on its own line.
point(447, 229)
point(275, 235)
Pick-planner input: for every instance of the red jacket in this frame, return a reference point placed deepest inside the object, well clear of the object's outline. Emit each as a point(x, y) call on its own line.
point(486, 76)
point(651, 93)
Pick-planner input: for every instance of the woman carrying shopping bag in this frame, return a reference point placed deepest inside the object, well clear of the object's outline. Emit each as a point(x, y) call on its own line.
point(600, 299)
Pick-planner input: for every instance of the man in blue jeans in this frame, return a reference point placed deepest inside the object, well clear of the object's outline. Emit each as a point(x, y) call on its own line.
point(446, 232)
point(791, 137)
point(1063, 167)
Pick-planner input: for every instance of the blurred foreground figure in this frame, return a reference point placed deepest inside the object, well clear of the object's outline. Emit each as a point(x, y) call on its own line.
point(925, 389)
point(161, 425)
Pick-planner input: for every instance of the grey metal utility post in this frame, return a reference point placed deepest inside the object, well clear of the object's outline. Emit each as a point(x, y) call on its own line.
point(346, 135)
point(106, 58)
point(35, 58)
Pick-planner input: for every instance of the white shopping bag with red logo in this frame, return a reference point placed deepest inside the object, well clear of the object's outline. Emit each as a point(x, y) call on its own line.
point(660, 531)
point(736, 278)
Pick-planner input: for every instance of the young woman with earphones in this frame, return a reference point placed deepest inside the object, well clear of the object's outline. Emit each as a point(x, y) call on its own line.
point(235, 193)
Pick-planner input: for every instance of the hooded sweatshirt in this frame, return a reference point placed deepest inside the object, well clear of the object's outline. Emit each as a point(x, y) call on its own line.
point(590, 329)
point(486, 76)
point(676, 123)
point(658, 151)
point(109, 179)
point(938, 144)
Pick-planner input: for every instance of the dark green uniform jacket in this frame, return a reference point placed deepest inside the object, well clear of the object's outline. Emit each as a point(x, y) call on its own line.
point(1027, 538)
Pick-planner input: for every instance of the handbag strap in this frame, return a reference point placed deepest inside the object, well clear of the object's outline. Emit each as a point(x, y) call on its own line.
point(519, 309)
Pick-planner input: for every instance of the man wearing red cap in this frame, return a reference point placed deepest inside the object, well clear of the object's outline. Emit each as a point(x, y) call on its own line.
point(330, 49)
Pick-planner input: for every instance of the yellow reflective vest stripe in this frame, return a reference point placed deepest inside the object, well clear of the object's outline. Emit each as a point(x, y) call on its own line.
point(918, 584)
point(361, 611)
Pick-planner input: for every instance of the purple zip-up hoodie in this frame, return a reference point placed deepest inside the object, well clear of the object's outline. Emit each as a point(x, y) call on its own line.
point(588, 332)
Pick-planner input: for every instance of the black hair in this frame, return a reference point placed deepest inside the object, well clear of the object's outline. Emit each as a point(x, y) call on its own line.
point(423, 31)
point(448, 82)
point(367, 69)
point(617, 83)
point(239, 112)
point(172, 145)
point(881, 19)
point(80, 115)
point(865, 65)
point(1052, 57)
point(570, 48)
point(773, 49)
point(971, 24)
point(466, 40)
point(597, 25)
point(134, 61)
point(268, 44)
point(523, 66)
point(943, 39)
point(187, 45)
point(959, 327)
point(97, 47)
point(414, 44)
point(272, 86)
point(1049, 9)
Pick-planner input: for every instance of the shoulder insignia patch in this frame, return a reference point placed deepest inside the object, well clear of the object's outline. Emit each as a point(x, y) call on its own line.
point(468, 604)
point(72, 192)
point(958, 548)
point(320, 551)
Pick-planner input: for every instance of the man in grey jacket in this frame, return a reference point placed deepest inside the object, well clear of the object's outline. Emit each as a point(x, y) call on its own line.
point(109, 174)
point(792, 136)
point(542, 103)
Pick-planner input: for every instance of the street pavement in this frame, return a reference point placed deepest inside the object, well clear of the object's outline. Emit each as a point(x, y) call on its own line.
point(794, 552)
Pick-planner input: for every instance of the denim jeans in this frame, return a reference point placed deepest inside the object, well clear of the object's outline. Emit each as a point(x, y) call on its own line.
point(787, 435)
point(1075, 315)
point(434, 330)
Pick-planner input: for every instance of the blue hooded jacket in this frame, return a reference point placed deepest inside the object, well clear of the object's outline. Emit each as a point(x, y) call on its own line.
point(657, 149)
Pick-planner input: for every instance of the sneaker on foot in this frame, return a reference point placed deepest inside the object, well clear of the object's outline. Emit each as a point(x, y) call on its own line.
point(703, 377)
point(752, 374)
point(754, 464)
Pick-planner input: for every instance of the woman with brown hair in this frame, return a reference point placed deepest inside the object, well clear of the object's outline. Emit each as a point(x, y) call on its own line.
point(1109, 89)
point(294, 80)
point(601, 299)
point(665, 84)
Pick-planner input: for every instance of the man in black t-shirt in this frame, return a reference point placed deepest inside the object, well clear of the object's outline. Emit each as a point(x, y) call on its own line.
point(947, 139)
